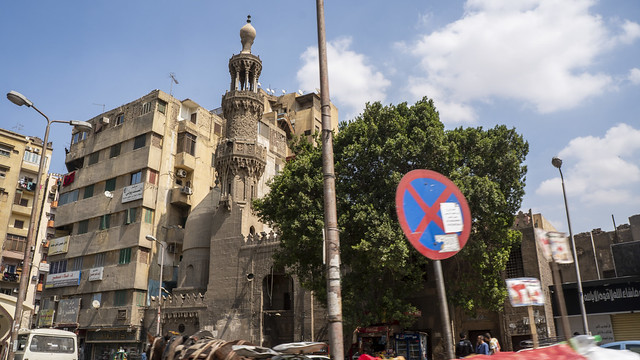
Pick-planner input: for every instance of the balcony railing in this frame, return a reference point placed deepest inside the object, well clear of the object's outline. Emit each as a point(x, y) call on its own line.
point(13, 277)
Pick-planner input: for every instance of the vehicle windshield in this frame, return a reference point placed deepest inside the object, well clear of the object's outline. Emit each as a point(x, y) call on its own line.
point(51, 344)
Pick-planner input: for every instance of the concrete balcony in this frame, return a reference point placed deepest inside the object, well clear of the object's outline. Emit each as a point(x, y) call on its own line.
point(185, 161)
point(180, 197)
point(22, 210)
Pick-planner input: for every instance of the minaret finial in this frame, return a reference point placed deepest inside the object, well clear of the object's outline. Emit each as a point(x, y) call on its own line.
point(247, 35)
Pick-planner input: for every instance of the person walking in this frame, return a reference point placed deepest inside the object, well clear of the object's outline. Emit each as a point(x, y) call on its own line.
point(494, 345)
point(481, 347)
point(463, 347)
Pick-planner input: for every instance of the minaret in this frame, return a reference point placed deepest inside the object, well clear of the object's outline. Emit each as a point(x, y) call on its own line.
point(240, 160)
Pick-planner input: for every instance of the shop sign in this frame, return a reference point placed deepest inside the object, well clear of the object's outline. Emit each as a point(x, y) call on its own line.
point(112, 336)
point(46, 318)
point(132, 192)
point(68, 311)
point(96, 273)
point(603, 297)
point(44, 267)
point(59, 245)
point(70, 278)
point(525, 292)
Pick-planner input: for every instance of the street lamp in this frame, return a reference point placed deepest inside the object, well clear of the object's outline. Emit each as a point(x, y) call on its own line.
point(163, 244)
point(20, 100)
point(557, 162)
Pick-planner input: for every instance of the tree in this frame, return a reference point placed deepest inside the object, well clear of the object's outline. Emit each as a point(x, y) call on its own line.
point(372, 154)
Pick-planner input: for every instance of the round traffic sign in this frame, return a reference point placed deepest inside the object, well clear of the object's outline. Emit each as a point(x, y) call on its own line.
point(433, 214)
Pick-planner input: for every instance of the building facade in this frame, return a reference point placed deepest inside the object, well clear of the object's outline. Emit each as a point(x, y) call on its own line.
point(19, 162)
point(185, 176)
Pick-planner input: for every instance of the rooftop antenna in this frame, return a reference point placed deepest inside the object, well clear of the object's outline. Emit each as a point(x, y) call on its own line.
point(18, 128)
point(103, 105)
point(173, 80)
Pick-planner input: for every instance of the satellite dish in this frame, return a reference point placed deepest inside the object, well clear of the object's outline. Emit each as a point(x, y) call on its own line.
point(259, 83)
point(268, 90)
point(284, 91)
point(108, 194)
point(95, 304)
point(300, 92)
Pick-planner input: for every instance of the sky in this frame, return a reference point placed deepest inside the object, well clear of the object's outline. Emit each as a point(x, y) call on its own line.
point(564, 73)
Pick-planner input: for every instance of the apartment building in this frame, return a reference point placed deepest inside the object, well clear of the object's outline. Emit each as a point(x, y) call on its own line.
point(19, 162)
point(137, 173)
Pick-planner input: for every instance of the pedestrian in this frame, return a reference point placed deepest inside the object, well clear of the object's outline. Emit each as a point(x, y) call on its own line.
point(494, 345)
point(481, 347)
point(143, 356)
point(463, 347)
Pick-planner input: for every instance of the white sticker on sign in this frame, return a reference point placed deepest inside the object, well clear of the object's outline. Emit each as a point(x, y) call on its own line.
point(451, 217)
point(450, 242)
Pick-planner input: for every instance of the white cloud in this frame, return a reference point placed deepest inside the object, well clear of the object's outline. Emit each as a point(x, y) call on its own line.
point(536, 51)
point(634, 76)
point(600, 170)
point(352, 80)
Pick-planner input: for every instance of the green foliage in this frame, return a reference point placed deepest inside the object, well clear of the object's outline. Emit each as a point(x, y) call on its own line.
point(372, 154)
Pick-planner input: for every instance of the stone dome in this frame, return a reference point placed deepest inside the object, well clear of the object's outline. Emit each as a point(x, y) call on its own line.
point(247, 35)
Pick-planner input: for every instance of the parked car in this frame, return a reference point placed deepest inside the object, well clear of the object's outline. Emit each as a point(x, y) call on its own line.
point(633, 345)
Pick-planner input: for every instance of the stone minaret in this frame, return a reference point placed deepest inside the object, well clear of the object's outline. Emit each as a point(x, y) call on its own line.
point(240, 160)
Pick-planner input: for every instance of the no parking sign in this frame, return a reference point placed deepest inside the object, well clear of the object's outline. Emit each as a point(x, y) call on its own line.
point(433, 214)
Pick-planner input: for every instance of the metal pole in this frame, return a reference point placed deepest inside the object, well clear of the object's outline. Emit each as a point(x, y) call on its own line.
point(585, 324)
point(26, 264)
point(334, 292)
point(160, 290)
point(532, 327)
point(444, 308)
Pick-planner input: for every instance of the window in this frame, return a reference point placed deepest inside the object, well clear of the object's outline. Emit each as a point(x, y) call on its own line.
point(139, 141)
point(162, 106)
point(68, 197)
point(194, 118)
point(105, 220)
point(515, 265)
point(307, 132)
point(58, 267)
point(15, 243)
point(24, 202)
point(5, 150)
point(94, 157)
point(99, 260)
point(153, 177)
point(31, 157)
point(77, 264)
point(114, 151)
point(263, 129)
point(18, 224)
point(17, 197)
point(110, 184)
point(148, 216)
point(120, 298)
point(3, 171)
point(140, 298)
point(156, 140)
point(130, 216)
point(187, 143)
point(97, 296)
point(136, 177)
point(77, 137)
point(83, 227)
point(125, 256)
point(88, 191)
point(146, 107)
point(119, 119)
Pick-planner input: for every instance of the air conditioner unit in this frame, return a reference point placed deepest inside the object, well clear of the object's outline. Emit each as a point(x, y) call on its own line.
point(181, 173)
point(29, 148)
point(104, 120)
point(187, 190)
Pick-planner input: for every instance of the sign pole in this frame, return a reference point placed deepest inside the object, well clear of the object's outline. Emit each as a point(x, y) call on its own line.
point(532, 327)
point(444, 308)
point(566, 329)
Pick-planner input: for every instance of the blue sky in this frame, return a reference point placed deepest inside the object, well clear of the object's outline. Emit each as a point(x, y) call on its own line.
point(564, 73)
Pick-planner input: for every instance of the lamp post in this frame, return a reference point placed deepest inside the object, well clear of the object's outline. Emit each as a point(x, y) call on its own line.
point(162, 243)
point(557, 162)
point(20, 100)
